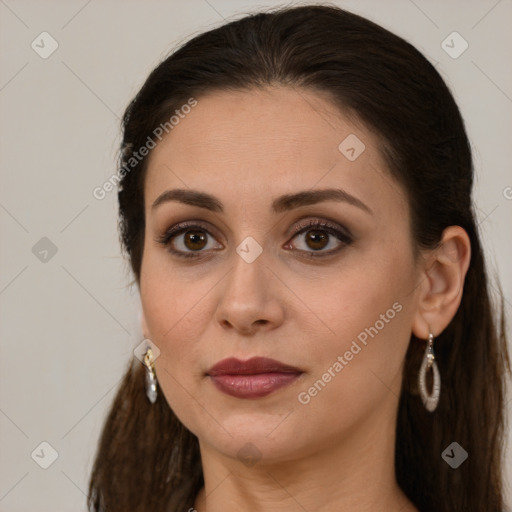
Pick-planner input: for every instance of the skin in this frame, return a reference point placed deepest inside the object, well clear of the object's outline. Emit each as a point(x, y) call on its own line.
point(337, 451)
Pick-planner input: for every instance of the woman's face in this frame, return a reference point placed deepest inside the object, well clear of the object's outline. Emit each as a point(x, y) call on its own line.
point(334, 301)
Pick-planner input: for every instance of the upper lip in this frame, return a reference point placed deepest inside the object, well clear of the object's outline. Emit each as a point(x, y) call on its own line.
point(253, 366)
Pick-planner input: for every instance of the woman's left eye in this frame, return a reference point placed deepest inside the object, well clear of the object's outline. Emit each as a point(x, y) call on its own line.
point(319, 235)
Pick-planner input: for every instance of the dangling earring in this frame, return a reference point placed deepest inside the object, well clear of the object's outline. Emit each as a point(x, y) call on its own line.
point(150, 376)
point(430, 401)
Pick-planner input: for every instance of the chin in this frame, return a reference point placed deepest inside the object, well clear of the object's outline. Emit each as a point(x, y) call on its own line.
point(254, 439)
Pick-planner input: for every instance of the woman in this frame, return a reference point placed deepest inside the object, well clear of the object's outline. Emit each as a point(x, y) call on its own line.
point(295, 202)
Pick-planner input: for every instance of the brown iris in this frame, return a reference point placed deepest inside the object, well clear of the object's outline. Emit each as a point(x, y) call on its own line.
point(317, 239)
point(195, 240)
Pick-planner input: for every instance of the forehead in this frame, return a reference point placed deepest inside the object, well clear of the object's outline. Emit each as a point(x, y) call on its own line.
point(268, 141)
point(277, 119)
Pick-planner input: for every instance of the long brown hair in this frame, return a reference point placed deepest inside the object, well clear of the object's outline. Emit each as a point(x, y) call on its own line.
point(146, 459)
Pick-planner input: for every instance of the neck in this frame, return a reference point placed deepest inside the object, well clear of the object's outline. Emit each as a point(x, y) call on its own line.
point(356, 475)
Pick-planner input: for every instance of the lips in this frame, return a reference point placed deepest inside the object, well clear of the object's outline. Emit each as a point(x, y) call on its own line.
point(253, 366)
point(255, 378)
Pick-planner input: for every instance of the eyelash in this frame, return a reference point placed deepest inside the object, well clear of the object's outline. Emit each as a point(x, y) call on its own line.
point(325, 226)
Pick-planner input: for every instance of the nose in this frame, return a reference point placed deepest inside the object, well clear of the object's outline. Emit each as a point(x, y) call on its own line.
point(252, 298)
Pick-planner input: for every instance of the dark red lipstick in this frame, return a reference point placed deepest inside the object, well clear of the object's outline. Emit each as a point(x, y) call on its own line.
point(255, 378)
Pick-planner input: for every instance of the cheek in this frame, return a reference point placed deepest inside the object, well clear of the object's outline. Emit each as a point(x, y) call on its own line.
point(175, 318)
point(369, 314)
point(168, 298)
point(357, 369)
point(174, 322)
point(177, 313)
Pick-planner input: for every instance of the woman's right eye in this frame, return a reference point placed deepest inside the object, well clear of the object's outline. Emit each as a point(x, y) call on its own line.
point(188, 240)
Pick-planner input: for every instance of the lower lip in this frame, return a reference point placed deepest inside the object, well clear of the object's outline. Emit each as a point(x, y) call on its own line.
point(253, 386)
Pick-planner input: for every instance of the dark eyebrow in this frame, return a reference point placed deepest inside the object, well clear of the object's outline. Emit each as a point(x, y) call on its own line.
point(281, 204)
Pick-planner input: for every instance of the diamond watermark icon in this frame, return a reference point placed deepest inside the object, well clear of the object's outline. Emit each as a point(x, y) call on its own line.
point(44, 455)
point(44, 250)
point(454, 455)
point(249, 454)
point(454, 45)
point(351, 147)
point(142, 348)
point(249, 249)
point(44, 45)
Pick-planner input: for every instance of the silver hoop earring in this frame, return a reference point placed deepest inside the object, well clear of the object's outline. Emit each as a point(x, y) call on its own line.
point(430, 400)
point(150, 376)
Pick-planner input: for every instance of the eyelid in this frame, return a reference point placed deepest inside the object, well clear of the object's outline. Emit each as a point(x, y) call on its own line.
point(342, 234)
point(322, 224)
point(181, 227)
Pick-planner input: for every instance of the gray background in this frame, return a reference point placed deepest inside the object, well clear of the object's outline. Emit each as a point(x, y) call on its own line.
point(70, 321)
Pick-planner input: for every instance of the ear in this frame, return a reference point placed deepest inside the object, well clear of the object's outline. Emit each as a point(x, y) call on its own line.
point(442, 281)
